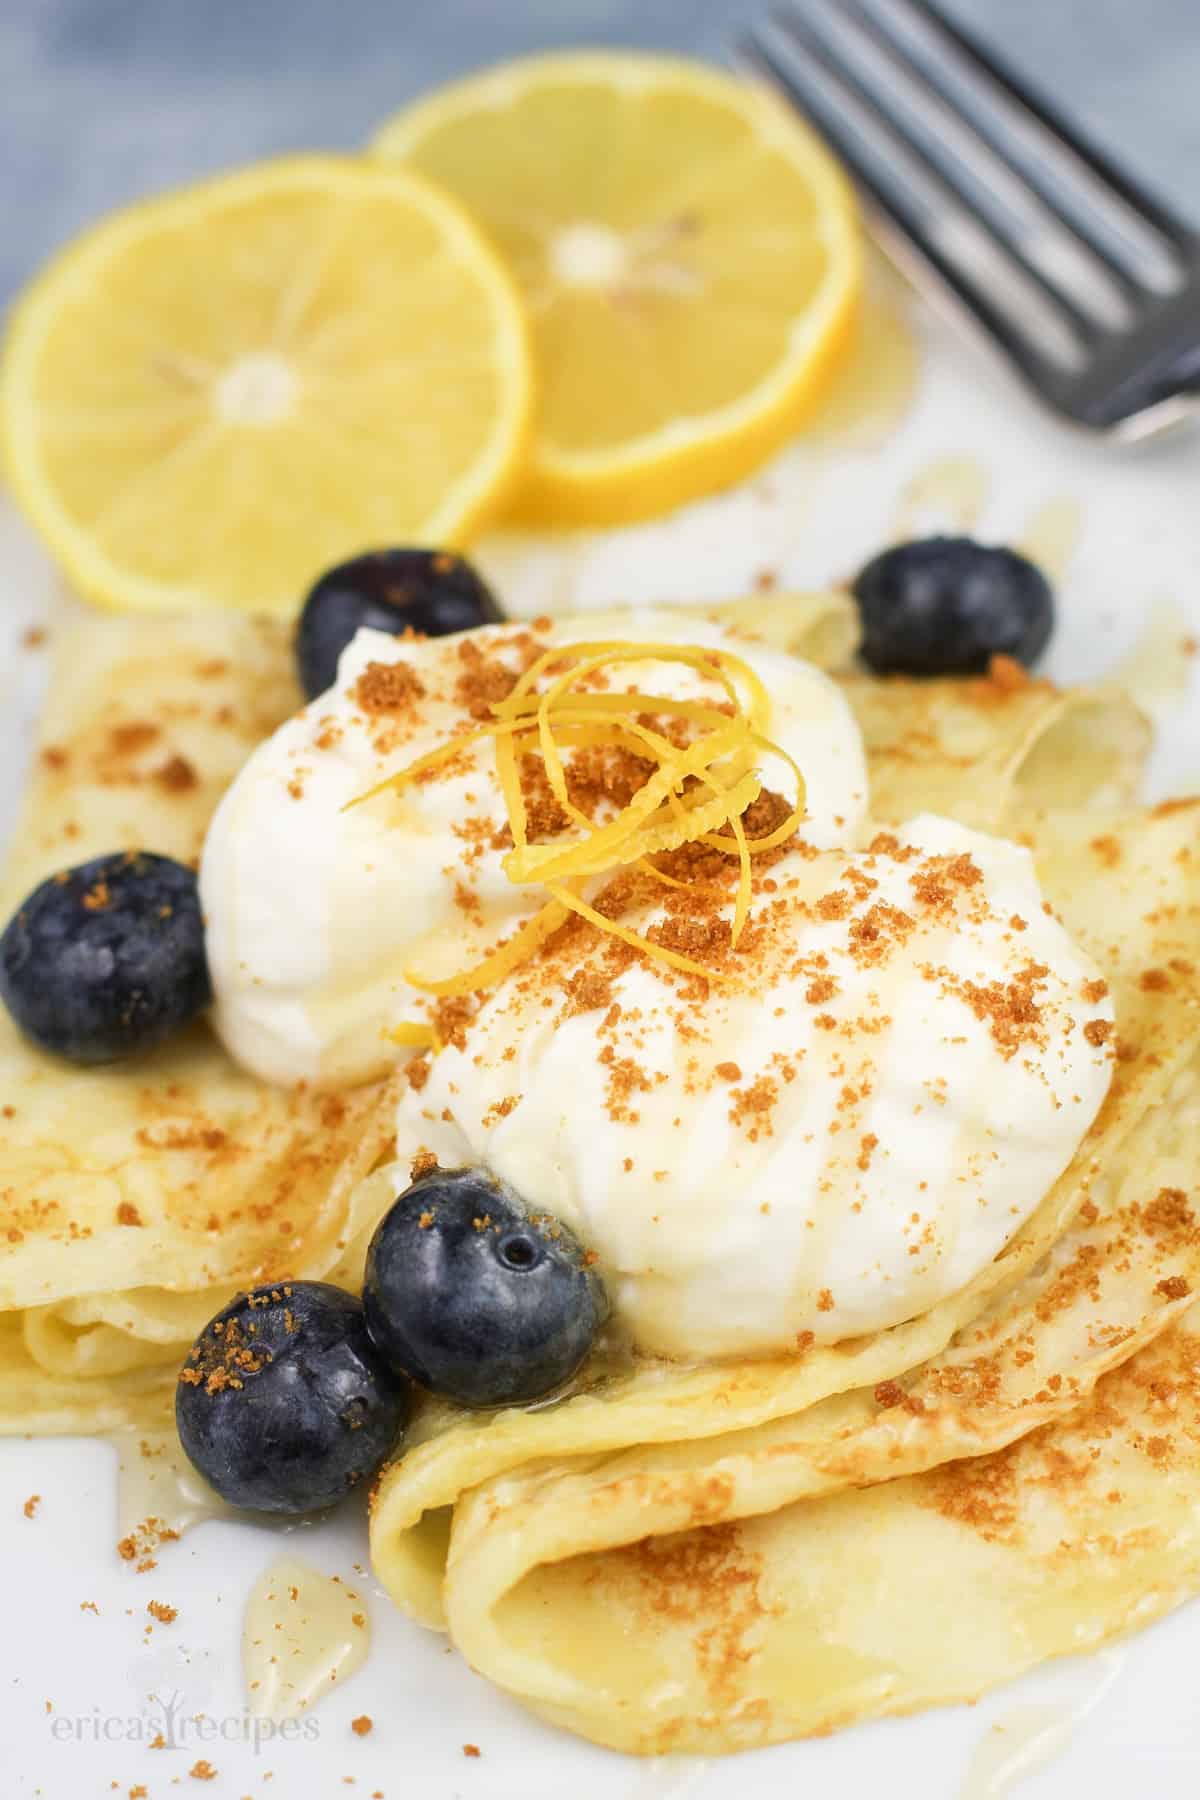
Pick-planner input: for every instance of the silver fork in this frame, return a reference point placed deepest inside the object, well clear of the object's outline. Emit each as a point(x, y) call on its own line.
point(997, 207)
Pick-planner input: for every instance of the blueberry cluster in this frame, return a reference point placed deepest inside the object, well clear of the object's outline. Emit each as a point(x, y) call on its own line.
point(296, 1392)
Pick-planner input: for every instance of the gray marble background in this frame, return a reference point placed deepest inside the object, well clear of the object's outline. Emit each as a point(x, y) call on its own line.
point(105, 100)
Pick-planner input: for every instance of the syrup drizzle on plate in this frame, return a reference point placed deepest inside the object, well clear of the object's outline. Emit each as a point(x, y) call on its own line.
point(947, 495)
point(1052, 535)
point(1031, 1737)
point(669, 1778)
point(159, 1493)
point(303, 1633)
point(1157, 670)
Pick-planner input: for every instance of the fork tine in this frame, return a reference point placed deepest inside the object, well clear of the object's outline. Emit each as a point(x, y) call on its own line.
point(1035, 122)
point(945, 196)
point(1050, 239)
point(976, 270)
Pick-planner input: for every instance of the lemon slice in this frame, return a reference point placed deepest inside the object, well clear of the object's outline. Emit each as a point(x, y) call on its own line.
point(689, 253)
point(212, 396)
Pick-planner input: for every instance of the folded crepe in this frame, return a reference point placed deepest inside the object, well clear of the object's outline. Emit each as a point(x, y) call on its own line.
point(670, 1557)
point(135, 1198)
point(702, 1558)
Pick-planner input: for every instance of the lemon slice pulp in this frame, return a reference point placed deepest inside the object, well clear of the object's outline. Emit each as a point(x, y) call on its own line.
point(689, 253)
point(214, 395)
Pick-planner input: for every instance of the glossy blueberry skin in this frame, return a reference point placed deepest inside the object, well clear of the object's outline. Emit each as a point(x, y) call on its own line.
point(947, 605)
point(475, 1298)
point(106, 960)
point(317, 1411)
point(433, 592)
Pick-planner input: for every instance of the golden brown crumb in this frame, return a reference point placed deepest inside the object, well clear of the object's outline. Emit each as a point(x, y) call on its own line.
point(1098, 1031)
point(224, 1354)
point(387, 688)
point(89, 1606)
point(867, 1146)
point(202, 1771)
point(148, 1536)
point(158, 1609)
point(423, 1163)
point(177, 775)
point(1108, 849)
point(1005, 672)
point(728, 1071)
point(1173, 1287)
point(361, 1725)
point(128, 1214)
point(31, 1505)
point(481, 680)
point(472, 1750)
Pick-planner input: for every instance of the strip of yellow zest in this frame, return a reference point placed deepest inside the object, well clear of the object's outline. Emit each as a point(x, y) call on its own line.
point(788, 826)
point(403, 778)
point(602, 848)
point(657, 952)
point(716, 665)
point(657, 819)
point(501, 962)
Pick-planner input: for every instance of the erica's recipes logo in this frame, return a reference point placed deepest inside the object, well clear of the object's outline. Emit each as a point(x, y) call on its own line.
point(163, 1724)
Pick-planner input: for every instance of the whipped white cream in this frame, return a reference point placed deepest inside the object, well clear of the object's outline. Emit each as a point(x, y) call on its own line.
point(917, 1054)
point(313, 912)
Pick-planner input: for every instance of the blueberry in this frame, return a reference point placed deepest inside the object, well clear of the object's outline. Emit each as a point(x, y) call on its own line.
point(284, 1404)
point(430, 591)
point(106, 959)
point(474, 1297)
point(947, 605)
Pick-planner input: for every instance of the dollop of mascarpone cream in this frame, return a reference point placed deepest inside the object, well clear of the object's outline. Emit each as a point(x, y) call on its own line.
point(314, 912)
point(835, 1147)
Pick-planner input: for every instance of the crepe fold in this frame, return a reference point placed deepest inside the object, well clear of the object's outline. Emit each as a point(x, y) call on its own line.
point(653, 1561)
point(135, 1199)
point(701, 1559)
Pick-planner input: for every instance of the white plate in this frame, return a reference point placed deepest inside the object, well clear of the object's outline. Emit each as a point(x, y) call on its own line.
point(1098, 1725)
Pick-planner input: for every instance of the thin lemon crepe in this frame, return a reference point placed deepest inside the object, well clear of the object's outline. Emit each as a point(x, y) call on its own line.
point(133, 1198)
point(591, 1556)
point(654, 1560)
